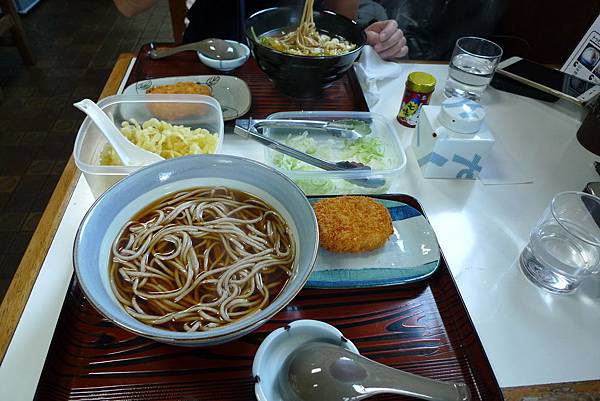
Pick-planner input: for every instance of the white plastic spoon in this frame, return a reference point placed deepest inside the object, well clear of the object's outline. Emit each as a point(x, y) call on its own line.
point(320, 371)
point(130, 154)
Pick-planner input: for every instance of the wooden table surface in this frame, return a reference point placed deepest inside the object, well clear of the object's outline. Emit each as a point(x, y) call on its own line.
point(18, 293)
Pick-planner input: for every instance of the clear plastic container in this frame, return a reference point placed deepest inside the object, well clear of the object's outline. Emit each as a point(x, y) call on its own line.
point(192, 111)
point(386, 165)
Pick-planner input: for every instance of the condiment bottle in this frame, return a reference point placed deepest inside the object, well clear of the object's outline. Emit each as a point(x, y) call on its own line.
point(417, 92)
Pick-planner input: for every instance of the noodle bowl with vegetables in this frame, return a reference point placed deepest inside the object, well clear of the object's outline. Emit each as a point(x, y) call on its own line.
point(301, 50)
point(306, 40)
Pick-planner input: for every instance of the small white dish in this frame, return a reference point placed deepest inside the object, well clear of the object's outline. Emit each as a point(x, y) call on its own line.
point(227, 65)
point(232, 93)
point(278, 345)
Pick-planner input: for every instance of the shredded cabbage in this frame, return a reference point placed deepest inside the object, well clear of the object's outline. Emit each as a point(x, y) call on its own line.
point(363, 150)
point(367, 150)
point(162, 138)
point(305, 144)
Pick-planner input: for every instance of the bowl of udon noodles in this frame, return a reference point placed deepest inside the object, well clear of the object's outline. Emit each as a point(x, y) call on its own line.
point(197, 250)
point(303, 50)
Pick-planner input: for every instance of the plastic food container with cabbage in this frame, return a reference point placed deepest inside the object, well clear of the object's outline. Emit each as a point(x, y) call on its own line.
point(379, 149)
point(169, 125)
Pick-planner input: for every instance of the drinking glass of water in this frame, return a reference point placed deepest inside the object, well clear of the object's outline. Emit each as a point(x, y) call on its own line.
point(471, 67)
point(564, 247)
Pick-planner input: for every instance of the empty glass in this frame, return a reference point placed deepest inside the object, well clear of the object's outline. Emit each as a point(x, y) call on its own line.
point(564, 246)
point(472, 66)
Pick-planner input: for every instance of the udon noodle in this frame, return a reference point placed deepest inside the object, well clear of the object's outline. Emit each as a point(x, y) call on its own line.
point(201, 259)
point(306, 39)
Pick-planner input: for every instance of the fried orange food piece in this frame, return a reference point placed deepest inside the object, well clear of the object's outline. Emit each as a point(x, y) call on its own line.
point(352, 224)
point(176, 111)
point(184, 88)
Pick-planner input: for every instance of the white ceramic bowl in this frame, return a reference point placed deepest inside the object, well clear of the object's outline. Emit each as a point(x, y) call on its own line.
point(115, 207)
point(278, 345)
point(227, 65)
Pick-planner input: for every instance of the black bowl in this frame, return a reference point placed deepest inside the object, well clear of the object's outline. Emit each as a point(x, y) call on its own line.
point(302, 76)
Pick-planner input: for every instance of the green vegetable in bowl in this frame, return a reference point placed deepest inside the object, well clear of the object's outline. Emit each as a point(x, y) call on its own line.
point(366, 150)
point(363, 150)
point(307, 145)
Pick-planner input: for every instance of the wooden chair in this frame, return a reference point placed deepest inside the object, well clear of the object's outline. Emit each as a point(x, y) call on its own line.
point(11, 22)
point(178, 11)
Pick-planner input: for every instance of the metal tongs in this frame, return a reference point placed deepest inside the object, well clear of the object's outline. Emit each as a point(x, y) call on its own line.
point(248, 128)
point(349, 129)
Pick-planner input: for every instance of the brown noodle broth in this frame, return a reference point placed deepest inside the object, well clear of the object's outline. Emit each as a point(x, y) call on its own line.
point(167, 286)
point(279, 33)
point(273, 38)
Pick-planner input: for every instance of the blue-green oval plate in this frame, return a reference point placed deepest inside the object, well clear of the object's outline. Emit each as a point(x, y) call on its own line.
point(411, 254)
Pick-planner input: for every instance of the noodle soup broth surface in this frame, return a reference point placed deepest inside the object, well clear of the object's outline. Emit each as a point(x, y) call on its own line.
point(331, 44)
point(201, 259)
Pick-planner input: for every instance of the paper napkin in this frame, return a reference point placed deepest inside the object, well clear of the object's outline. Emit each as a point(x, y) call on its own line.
point(373, 71)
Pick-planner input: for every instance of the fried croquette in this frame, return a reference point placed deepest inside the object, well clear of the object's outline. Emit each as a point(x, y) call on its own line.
point(352, 224)
point(187, 88)
point(176, 111)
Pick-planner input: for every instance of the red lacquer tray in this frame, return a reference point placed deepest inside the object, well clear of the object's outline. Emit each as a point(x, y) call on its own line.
point(422, 328)
point(343, 95)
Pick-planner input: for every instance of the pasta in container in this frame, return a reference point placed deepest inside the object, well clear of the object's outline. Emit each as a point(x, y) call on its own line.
point(164, 139)
point(203, 135)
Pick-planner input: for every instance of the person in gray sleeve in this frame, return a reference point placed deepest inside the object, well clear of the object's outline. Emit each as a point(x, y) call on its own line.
point(431, 27)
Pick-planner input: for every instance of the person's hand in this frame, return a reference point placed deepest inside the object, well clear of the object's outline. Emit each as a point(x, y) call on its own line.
point(387, 40)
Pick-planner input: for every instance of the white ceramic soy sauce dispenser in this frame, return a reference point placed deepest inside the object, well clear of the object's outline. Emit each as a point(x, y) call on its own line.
point(452, 140)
